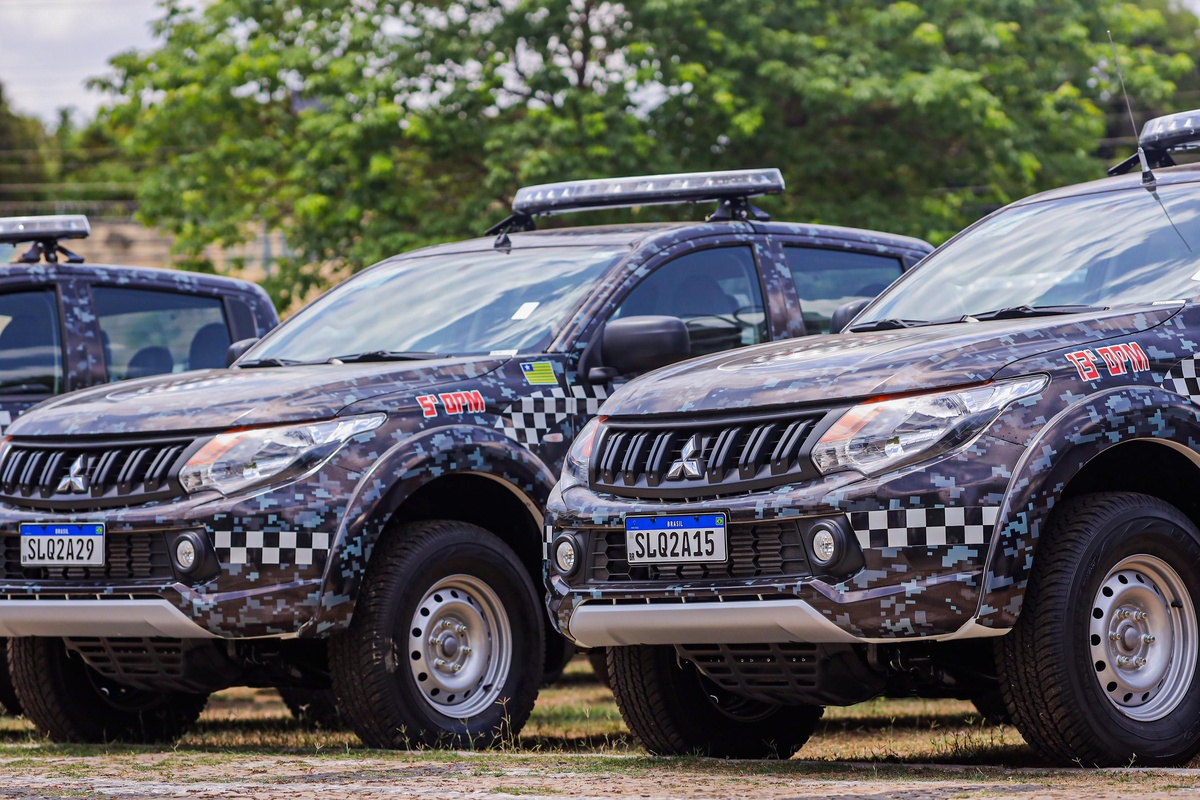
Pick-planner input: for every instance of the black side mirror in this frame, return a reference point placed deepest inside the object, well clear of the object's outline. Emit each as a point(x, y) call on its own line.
point(842, 316)
point(237, 349)
point(639, 344)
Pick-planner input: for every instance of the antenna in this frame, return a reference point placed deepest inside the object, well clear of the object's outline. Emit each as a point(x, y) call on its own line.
point(1147, 175)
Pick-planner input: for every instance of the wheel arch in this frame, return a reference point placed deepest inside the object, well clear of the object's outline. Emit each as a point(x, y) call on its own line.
point(425, 477)
point(1141, 439)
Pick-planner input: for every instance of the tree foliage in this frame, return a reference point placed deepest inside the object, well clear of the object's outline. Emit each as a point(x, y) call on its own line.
point(364, 127)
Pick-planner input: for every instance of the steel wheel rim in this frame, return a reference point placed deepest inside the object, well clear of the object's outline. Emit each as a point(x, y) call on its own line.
point(460, 646)
point(1143, 638)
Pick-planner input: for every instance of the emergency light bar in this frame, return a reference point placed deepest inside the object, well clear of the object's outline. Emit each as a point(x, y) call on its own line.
point(688, 187)
point(1160, 136)
point(15, 230)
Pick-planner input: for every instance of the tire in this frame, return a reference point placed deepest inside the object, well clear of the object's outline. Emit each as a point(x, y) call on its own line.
point(991, 708)
point(1119, 563)
point(442, 580)
point(598, 658)
point(673, 710)
point(8, 695)
point(313, 708)
point(559, 652)
point(70, 702)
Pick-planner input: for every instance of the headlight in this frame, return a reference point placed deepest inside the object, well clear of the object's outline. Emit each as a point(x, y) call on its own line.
point(231, 462)
point(575, 465)
point(878, 436)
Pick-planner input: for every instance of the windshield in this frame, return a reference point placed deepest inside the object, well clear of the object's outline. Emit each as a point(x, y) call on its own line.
point(456, 304)
point(1094, 251)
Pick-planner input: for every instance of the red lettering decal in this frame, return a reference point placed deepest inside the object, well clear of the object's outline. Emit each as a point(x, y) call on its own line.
point(475, 401)
point(1114, 358)
point(1084, 361)
point(428, 404)
point(453, 402)
point(1133, 353)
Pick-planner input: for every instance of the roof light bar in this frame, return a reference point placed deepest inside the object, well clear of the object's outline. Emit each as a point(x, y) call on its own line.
point(1173, 130)
point(14, 230)
point(688, 187)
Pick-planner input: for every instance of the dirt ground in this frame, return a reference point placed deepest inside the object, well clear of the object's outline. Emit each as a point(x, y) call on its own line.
point(575, 746)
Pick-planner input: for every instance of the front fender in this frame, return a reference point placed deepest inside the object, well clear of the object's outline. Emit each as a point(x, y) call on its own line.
point(398, 473)
point(1075, 436)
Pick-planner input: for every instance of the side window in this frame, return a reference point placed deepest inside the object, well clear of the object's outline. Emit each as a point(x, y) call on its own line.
point(30, 343)
point(826, 279)
point(715, 292)
point(146, 332)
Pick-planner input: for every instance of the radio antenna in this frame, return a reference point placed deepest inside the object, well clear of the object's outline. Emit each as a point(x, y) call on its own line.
point(1147, 175)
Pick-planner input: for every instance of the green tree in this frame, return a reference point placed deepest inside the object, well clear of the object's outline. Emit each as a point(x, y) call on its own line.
point(22, 160)
point(363, 127)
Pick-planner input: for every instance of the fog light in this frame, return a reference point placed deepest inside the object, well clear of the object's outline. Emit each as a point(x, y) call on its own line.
point(185, 554)
point(565, 556)
point(826, 545)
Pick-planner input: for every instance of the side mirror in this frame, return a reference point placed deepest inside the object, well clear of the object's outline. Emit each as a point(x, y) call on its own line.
point(842, 316)
point(639, 344)
point(237, 349)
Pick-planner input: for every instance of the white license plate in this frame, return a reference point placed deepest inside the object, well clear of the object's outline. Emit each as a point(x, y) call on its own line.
point(676, 539)
point(62, 545)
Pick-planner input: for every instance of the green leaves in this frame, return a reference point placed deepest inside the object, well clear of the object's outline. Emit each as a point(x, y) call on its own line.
point(362, 127)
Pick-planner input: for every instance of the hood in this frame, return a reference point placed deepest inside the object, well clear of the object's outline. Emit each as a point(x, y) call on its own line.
point(227, 398)
point(850, 366)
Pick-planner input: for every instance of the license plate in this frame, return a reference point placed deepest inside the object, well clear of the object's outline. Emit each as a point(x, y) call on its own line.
point(62, 545)
point(676, 539)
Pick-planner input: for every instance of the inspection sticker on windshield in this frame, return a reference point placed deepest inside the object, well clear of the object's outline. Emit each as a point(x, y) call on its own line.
point(1117, 359)
point(539, 373)
point(62, 545)
point(676, 539)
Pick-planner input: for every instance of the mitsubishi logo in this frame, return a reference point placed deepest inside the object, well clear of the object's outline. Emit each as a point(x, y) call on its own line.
point(687, 466)
point(75, 481)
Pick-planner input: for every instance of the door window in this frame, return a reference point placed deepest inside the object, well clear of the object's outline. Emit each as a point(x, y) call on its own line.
point(30, 343)
point(146, 332)
point(827, 279)
point(715, 292)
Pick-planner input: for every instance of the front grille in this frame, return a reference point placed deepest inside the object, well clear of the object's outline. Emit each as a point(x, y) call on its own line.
point(141, 555)
point(773, 673)
point(763, 550)
point(56, 475)
point(690, 459)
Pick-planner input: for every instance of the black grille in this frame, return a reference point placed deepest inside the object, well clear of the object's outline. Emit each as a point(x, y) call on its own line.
point(773, 673)
point(132, 661)
point(141, 555)
point(86, 476)
point(764, 550)
point(688, 460)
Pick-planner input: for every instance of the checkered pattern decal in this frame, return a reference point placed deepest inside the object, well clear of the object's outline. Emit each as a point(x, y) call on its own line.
point(539, 413)
point(1182, 379)
point(303, 548)
point(920, 527)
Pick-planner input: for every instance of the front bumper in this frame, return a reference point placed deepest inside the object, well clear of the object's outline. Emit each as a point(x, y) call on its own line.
point(267, 555)
point(924, 535)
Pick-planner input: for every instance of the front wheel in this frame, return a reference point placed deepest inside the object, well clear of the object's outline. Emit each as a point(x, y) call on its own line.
point(70, 702)
point(446, 645)
point(1101, 667)
point(674, 710)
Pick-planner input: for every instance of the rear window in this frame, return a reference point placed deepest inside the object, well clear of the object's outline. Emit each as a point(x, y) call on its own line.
point(146, 332)
point(30, 343)
point(827, 279)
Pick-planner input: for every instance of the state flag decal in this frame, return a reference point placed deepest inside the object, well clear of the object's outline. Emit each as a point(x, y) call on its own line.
point(539, 373)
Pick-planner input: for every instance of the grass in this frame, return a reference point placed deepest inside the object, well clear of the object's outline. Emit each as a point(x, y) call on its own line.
point(575, 737)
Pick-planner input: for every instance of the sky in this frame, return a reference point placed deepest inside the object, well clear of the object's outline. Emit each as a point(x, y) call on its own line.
point(49, 48)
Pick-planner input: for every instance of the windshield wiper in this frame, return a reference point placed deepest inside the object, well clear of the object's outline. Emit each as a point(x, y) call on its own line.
point(268, 362)
point(386, 355)
point(1015, 312)
point(886, 325)
point(26, 388)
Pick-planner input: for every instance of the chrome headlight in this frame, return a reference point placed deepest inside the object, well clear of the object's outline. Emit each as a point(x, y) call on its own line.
point(878, 436)
point(231, 462)
point(579, 457)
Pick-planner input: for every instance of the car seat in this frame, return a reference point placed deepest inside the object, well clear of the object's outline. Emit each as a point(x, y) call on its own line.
point(208, 347)
point(148, 361)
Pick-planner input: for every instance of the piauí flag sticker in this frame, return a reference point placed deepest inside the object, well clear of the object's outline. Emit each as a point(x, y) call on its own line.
point(539, 373)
